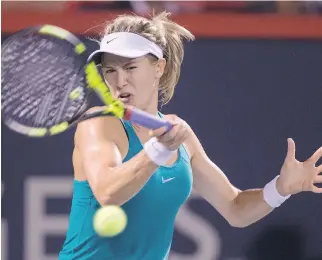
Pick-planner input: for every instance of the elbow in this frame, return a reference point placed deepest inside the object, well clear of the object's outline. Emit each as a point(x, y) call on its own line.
point(102, 200)
point(105, 198)
point(238, 220)
point(237, 216)
point(108, 200)
point(100, 194)
point(110, 196)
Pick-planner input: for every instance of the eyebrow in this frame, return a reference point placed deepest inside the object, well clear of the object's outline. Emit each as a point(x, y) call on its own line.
point(130, 62)
point(124, 65)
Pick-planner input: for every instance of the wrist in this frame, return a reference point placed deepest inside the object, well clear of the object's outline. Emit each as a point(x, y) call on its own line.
point(157, 152)
point(281, 188)
point(272, 196)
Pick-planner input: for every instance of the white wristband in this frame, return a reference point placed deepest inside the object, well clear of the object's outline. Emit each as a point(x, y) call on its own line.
point(157, 152)
point(271, 195)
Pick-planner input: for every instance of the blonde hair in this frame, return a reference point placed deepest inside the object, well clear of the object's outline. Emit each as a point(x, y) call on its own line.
point(167, 34)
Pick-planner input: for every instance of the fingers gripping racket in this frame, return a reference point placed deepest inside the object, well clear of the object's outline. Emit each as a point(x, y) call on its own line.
point(47, 81)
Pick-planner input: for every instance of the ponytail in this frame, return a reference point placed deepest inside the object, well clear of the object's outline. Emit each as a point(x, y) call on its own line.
point(174, 34)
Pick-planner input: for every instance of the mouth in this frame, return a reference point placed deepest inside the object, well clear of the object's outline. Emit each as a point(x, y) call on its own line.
point(125, 97)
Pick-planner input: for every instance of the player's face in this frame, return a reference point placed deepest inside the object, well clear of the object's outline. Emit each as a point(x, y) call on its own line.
point(133, 81)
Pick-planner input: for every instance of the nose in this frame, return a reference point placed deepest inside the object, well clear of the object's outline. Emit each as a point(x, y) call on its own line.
point(121, 79)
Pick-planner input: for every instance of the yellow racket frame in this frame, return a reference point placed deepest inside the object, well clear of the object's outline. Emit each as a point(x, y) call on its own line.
point(94, 81)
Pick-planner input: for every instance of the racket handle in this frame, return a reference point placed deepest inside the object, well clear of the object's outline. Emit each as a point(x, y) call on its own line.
point(145, 119)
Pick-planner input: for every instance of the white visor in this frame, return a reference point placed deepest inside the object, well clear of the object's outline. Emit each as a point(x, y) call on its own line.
point(125, 44)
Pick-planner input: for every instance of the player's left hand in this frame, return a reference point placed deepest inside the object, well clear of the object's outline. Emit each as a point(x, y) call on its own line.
point(296, 176)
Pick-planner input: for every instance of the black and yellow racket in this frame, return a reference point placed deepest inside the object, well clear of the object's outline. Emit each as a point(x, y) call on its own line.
point(46, 83)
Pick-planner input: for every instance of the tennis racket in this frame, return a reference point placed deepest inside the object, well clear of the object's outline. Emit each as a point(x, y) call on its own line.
point(47, 83)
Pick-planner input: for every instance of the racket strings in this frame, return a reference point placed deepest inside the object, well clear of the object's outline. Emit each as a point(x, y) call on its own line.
point(37, 76)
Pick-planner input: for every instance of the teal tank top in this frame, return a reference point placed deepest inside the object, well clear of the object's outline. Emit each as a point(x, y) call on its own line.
point(151, 214)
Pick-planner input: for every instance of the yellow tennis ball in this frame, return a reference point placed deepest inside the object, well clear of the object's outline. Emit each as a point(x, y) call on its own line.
point(109, 221)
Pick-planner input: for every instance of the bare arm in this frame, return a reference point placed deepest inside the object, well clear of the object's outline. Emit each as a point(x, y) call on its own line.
point(239, 208)
point(112, 181)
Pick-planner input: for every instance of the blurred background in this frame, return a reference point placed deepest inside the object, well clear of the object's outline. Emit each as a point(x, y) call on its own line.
point(252, 78)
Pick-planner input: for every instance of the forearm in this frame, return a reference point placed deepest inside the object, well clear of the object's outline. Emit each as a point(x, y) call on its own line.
point(249, 207)
point(127, 179)
point(252, 205)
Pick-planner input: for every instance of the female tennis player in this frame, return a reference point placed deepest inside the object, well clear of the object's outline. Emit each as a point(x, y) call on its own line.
point(151, 173)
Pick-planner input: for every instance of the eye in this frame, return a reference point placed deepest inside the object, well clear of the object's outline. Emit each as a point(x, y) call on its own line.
point(131, 68)
point(107, 71)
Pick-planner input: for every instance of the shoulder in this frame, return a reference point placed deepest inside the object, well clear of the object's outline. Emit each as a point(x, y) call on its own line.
point(98, 130)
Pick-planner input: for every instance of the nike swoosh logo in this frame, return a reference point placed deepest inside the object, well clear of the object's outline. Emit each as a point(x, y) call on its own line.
point(111, 40)
point(167, 180)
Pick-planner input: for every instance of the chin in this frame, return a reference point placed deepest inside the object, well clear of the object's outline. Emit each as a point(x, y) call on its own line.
point(130, 103)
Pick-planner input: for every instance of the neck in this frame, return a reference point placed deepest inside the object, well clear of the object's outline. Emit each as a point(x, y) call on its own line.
point(151, 108)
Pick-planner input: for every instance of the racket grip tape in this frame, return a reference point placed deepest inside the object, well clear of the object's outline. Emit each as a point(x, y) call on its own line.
point(145, 119)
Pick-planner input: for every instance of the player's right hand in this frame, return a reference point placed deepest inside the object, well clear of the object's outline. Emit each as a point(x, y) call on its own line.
point(173, 138)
